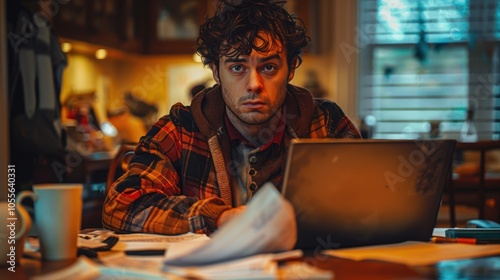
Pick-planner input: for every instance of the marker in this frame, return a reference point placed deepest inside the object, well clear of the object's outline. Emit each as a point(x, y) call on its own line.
point(439, 239)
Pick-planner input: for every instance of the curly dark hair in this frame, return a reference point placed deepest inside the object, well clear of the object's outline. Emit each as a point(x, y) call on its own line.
point(236, 24)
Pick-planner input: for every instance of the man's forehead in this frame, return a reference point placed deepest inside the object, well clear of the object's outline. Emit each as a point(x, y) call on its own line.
point(272, 54)
point(271, 50)
point(264, 45)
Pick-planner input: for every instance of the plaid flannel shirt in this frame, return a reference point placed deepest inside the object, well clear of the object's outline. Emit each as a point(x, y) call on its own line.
point(179, 179)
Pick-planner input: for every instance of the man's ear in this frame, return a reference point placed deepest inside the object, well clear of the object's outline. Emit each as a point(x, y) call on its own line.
point(215, 72)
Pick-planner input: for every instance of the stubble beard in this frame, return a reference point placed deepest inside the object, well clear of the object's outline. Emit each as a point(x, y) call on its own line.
point(249, 120)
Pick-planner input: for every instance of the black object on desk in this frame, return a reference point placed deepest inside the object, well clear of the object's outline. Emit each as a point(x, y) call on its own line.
point(92, 252)
point(145, 252)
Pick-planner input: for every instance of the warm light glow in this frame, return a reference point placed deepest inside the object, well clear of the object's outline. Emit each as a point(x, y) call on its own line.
point(196, 57)
point(109, 129)
point(66, 47)
point(101, 54)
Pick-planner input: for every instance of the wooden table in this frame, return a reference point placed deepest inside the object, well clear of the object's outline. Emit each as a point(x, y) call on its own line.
point(343, 269)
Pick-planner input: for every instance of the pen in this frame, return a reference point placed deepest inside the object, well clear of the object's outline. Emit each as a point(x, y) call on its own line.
point(145, 252)
point(439, 239)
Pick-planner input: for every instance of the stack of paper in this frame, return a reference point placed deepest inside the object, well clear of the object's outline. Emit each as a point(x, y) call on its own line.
point(267, 226)
point(257, 266)
point(147, 241)
point(263, 266)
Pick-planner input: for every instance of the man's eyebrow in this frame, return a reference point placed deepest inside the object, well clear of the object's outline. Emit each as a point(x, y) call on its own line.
point(271, 57)
point(234, 59)
point(263, 59)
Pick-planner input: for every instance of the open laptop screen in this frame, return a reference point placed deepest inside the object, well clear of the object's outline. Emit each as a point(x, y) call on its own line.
point(364, 192)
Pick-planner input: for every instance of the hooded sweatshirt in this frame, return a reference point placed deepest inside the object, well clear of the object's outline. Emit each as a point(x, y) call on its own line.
point(183, 174)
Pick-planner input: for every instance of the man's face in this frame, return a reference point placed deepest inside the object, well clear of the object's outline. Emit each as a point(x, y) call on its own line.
point(254, 85)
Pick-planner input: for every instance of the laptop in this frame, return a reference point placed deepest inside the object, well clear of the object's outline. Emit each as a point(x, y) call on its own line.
point(350, 193)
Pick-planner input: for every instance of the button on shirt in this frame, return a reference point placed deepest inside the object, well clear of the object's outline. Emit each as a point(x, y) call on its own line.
point(251, 164)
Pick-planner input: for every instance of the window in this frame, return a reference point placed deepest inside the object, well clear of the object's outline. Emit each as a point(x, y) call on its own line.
point(423, 64)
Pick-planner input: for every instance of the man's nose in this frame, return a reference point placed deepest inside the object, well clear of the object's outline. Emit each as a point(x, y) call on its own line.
point(254, 83)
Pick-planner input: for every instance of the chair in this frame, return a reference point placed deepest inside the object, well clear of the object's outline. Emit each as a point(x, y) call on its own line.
point(479, 182)
point(119, 164)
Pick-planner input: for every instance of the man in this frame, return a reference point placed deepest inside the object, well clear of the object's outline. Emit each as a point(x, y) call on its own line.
point(197, 167)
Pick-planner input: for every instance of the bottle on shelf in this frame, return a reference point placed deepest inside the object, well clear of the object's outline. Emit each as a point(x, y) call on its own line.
point(469, 130)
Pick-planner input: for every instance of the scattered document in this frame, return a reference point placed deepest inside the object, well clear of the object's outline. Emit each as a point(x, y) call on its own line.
point(117, 267)
point(254, 267)
point(266, 226)
point(262, 266)
point(148, 237)
point(301, 271)
point(146, 241)
point(32, 244)
point(83, 268)
point(123, 266)
point(416, 253)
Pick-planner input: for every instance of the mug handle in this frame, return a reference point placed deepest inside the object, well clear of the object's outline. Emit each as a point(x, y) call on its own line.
point(25, 217)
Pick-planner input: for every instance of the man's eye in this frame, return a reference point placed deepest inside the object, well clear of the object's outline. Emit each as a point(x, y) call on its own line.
point(236, 68)
point(269, 68)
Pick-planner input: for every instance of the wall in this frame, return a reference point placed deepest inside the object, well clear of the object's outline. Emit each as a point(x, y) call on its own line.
point(150, 78)
point(343, 53)
point(145, 76)
point(159, 79)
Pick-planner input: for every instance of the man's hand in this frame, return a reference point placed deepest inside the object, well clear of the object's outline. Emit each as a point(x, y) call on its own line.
point(229, 214)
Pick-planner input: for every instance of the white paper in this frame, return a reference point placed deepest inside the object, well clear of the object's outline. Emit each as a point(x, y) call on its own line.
point(302, 271)
point(148, 237)
point(262, 266)
point(439, 232)
point(415, 253)
point(256, 267)
point(33, 244)
point(146, 241)
point(90, 244)
point(119, 264)
point(266, 226)
point(82, 269)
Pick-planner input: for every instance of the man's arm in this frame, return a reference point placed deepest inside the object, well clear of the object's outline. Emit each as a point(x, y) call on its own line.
point(148, 197)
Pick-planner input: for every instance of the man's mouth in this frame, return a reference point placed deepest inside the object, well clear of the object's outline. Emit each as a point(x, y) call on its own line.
point(254, 105)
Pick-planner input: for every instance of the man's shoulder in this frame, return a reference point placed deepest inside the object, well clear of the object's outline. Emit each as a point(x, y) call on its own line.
point(327, 105)
point(328, 111)
point(179, 117)
point(180, 108)
point(180, 113)
point(325, 102)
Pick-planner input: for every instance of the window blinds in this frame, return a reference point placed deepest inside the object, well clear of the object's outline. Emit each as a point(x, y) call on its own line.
point(424, 63)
